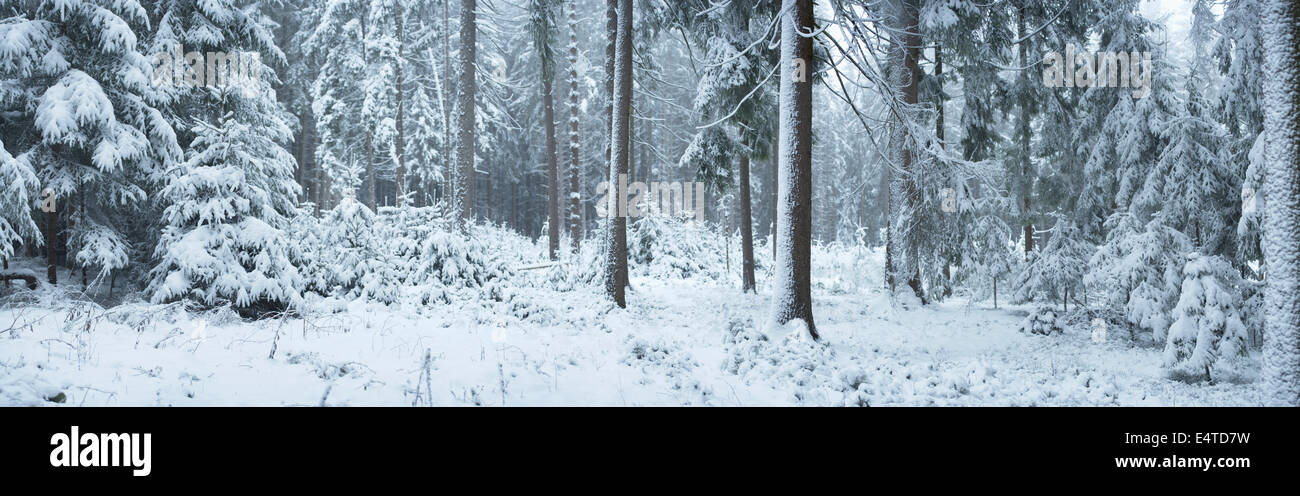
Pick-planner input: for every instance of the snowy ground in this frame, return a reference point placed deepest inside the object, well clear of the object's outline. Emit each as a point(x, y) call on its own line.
point(679, 343)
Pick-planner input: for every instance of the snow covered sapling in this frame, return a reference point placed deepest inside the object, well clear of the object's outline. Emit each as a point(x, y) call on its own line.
point(1139, 271)
point(223, 242)
point(1042, 321)
point(1056, 271)
point(1207, 335)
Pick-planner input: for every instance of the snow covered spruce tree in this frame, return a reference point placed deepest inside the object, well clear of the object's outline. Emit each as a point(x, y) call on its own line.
point(1139, 271)
point(18, 187)
point(79, 110)
point(1207, 335)
point(1281, 372)
point(223, 242)
point(792, 290)
point(225, 206)
point(1055, 272)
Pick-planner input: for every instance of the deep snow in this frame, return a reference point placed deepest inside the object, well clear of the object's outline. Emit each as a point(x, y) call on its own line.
point(680, 342)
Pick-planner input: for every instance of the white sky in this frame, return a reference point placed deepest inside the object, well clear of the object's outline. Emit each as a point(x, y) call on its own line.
point(1176, 15)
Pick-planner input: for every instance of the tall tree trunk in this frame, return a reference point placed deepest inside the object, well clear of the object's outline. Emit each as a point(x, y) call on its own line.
point(399, 186)
point(468, 88)
point(370, 149)
point(776, 167)
point(631, 142)
point(299, 174)
point(1281, 28)
point(552, 171)
point(51, 240)
point(448, 170)
point(746, 227)
point(611, 32)
point(616, 235)
point(575, 193)
point(911, 40)
point(1023, 131)
point(792, 292)
point(938, 133)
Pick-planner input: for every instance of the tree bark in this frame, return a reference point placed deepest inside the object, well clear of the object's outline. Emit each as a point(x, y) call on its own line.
point(746, 228)
point(575, 193)
point(468, 89)
point(911, 38)
point(448, 189)
point(792, 293)
point(1023, 139)
point(552, 171)
point(399, 186)
point(616, 263)
point(1281, 370)
point(370, 149)
point(611, 31)
point(776, 181)
point(51, 250)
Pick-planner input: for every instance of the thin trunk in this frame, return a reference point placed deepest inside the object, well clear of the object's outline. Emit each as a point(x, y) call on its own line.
point(468, 88)
point(1281, 370)
point(81, 211)
point(995, 293)
point(616, 264)
point(938, 132)
point(299, 174)
point(1023, 139)
point(552, 171)
point(51, 252)
point(399, 186)
point(776, 154)
point(448, 171)
point(370, 148)
point(631, 143)
point(792, 293)
point(746, 228)
point(575, 205)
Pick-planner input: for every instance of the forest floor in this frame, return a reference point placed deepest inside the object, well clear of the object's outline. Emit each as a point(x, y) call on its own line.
point(678, 343)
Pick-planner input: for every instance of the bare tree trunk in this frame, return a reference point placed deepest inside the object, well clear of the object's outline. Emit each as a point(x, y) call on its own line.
point(370, 148)
point(746, 228)
point(575, 193)
point(1281, 374)
point(467, 84)
point(792, 293)
point(776, 154)
point(939, 132)
point(300, 174)
point(1023, 140)
point(399, 187)
point(552, 171)
point(611, 30)
point(448, 171)
point(616, 263)
point(51, 252)
point(911, 38)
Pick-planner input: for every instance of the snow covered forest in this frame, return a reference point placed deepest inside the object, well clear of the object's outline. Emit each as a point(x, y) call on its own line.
point(649, 202)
